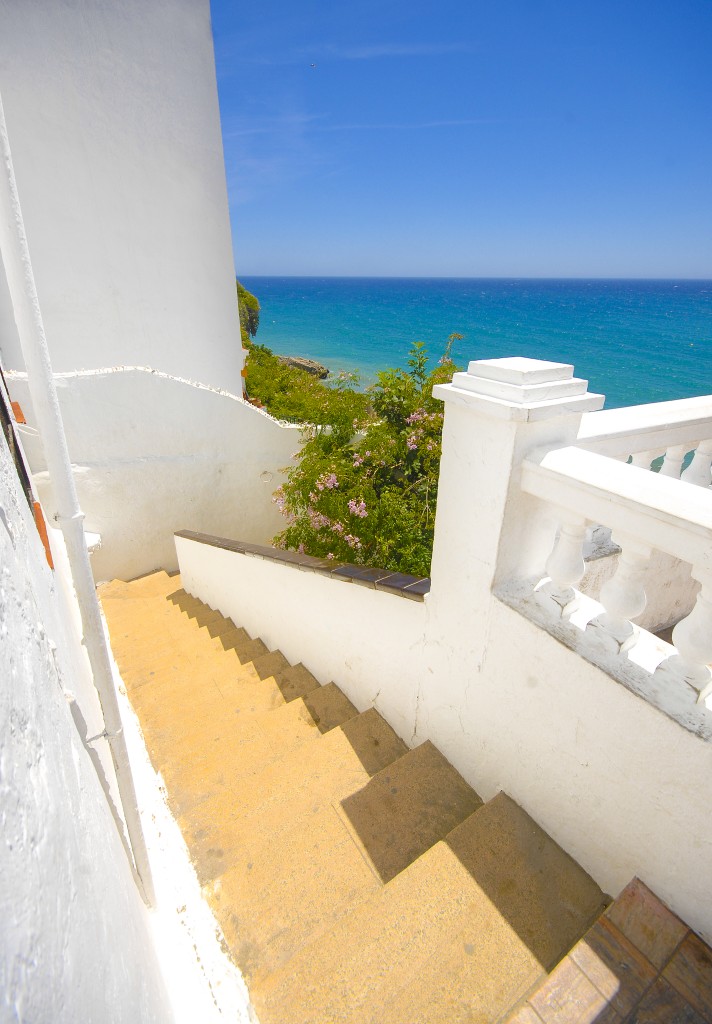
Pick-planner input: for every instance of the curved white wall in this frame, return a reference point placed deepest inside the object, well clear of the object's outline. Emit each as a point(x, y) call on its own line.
point(153, 454)
point(114, 125)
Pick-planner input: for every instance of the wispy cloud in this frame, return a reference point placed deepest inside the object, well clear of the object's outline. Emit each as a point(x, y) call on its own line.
point(403, 125)
point(329, 52)
point(305, 124)
point(290, 124)
point(380, 50)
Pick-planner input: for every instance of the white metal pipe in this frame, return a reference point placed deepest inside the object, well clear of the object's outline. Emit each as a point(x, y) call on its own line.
point(28, 316)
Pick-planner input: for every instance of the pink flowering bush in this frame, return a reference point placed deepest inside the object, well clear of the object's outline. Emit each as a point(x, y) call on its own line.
point(364, 489)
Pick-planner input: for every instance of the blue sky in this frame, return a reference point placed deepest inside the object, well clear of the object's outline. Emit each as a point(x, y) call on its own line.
point(529, 138)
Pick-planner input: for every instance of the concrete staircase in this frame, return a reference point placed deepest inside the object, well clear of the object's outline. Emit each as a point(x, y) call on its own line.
point(354, 880)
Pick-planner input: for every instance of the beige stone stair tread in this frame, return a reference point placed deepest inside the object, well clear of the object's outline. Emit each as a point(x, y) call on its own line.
point(204, 618)
point(560, 902)
point(496, 902)
point(178, 707)
point(249, 743)
point(287, 887)
point(290, 884)
point(191, 658)
point(302, 781)
point(189, 668)
point(257, 740)
point(215, 627)
point(407, 807)
point(157, 584)
point(373, 948)
point(329, 706)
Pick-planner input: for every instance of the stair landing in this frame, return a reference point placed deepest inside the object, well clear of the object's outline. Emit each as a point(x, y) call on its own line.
point(638, 964)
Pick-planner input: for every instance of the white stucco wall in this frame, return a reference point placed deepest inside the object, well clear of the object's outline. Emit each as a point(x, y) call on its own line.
point(113, 120)
point(74, 936)
point(153, 454)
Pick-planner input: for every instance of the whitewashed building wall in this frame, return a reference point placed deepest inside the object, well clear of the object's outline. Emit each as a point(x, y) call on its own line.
point(112, 113)
point(74, 934)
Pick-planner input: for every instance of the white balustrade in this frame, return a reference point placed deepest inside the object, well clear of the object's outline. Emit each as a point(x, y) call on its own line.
point(692, 639)
point(643, 460)
point(646, 432)
point(674, 458)
point(646, 511)
point(699, 470)
point(623, 596)
point(565, 565)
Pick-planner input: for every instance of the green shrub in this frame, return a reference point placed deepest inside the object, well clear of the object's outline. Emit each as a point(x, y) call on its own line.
point(249, 309)
point(364, 489)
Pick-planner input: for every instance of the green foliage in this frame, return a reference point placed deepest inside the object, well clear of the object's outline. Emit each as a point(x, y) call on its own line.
point(364, 489)
point(249, 309)
point(299, 397)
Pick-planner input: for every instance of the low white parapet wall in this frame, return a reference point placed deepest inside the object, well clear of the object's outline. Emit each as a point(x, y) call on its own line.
point(366, 640)
point(152, 454)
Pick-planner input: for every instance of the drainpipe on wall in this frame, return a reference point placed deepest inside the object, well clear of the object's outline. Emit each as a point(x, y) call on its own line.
point(28, 316)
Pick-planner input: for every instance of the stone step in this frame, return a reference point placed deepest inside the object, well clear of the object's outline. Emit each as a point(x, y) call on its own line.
point(329, 706)
point(190, 658)
point(459, 935)
point(302, 781)
point(406, 808)
point(293, 881)
point(156, 584)
point(258, 740)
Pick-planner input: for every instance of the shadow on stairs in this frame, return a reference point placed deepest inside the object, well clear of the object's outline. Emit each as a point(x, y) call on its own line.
point(356, 880)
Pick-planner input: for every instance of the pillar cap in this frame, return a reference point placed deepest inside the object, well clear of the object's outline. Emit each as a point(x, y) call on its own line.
point(518, 388)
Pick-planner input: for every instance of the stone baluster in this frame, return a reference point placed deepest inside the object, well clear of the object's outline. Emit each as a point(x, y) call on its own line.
point(623, 596)
point(643, 459)
point(698, 472)
point(565, 565)
point(674, 457)
point(692, 639)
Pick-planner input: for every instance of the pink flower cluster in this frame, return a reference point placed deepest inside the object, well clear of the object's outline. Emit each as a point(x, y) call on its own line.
point(317, 520)
point(358, 460)
point(328, 481)
point(353, 542)
point(411, 443)
point(358, 508)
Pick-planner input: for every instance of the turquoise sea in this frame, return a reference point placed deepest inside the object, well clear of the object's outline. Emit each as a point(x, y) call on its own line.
point(635, 341)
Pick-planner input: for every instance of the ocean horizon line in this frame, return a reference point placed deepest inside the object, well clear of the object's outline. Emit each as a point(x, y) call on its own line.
point(460, 277)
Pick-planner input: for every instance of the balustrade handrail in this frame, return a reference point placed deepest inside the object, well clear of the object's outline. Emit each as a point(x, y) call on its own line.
point(654, 509)
point(639, 428)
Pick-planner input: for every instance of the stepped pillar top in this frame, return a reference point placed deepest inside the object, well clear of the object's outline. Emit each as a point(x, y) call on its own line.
point(518, 388)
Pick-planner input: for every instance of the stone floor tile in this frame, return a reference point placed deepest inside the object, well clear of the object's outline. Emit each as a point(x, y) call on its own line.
point(617, 969)
point(690, 972)
point(647, 923)
point(569, 997)
point(663, 1005)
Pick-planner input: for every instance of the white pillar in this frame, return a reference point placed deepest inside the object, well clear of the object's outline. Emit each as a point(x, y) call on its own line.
point(487, 531)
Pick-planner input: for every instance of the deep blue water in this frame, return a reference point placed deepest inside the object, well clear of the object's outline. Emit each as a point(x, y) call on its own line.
point(635, 341)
